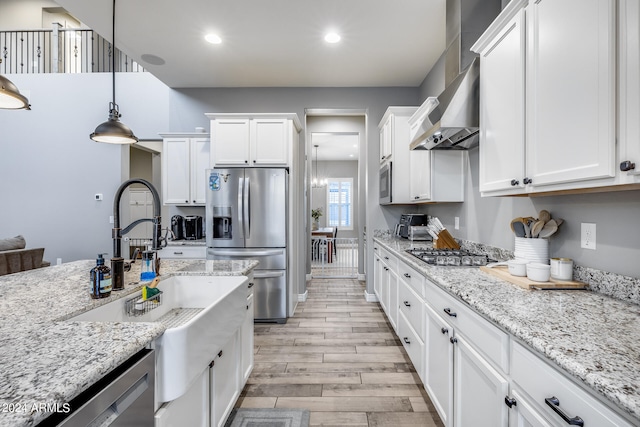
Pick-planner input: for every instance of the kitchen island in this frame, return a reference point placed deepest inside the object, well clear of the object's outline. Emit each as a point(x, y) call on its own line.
point(589, 337)
point(46, 360)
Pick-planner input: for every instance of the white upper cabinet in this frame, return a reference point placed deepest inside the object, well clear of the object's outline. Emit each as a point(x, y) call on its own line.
point(185, 157)
point(252, 139)
point(502, 109)
point(386, 139)
point(547, 120)
point(571, 91)
point(629, 82)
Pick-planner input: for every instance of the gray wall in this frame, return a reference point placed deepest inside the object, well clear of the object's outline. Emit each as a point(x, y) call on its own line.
point(51, 170)
point(337, 169)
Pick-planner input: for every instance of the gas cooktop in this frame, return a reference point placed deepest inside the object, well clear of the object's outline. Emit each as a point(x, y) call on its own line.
point(449, 257)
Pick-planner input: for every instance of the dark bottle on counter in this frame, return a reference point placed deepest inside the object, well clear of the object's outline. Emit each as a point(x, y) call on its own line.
point(100, 279)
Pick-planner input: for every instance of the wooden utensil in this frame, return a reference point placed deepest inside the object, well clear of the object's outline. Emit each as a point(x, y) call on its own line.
point(544, 216)
point(548, 229)
point(536, 228)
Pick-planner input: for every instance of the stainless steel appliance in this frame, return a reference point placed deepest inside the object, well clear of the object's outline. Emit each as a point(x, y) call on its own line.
point(193, 227)
point(246, 218)
point(419, 232)
point(385, 184)
point(408, 220)
point(449, 257)
point(124, 398)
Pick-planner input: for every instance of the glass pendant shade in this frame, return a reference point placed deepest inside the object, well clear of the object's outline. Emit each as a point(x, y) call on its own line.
point(10, 96)
point(113, 131)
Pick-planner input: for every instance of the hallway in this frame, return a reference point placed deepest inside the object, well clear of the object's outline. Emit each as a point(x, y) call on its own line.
point(339, 358)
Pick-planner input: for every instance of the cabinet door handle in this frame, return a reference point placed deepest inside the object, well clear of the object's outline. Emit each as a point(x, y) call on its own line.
point(453, 340)
point(220, 354)
point(194, 201)
point(407, 275)
point(527, 180)
point(406, 303)
point(386, 257)
point(444, 331)
point(510, 401)
point(246, 161)
point(406, 340)
point(554, 403)
point(386, 269)
point(416, 197)
point(250, 285)
point(627, 165)
point(514, 182)
point(448, 311)
point(186, 201)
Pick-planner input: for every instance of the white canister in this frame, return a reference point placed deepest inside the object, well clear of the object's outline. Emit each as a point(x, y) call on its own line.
point(562, 268)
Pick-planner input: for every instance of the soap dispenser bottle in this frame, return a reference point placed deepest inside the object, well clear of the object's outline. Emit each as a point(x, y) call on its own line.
point(100, 279)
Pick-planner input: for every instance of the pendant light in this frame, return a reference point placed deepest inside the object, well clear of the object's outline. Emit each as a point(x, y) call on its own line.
point(113, 131)
point(317, 183)
point(10, 96)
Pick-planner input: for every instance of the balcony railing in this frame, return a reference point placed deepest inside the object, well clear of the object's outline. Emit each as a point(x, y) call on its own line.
point(59, 50)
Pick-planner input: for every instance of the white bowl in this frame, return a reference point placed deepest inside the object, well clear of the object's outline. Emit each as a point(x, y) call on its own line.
point(517, 267)
point(538, 272)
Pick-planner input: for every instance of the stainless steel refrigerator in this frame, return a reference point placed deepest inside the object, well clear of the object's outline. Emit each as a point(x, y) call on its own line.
point(246, 218)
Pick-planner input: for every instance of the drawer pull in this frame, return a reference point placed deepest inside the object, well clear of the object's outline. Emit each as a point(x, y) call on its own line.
point(386, 257)
point(453, 340)
point(386, 268)
point(406, 340)
point(510, 401)
point(448, 311)
point(444, 331)
point(220, 354)
point(407, 275)
point(406, 303)
point(250, 285)
point(554, 403)
point(177, 253)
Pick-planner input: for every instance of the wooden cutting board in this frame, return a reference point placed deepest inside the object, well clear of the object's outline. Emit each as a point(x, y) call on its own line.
point(502, 272)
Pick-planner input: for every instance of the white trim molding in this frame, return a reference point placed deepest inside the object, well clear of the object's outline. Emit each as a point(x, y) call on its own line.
point(303, 297)
point(370, 297)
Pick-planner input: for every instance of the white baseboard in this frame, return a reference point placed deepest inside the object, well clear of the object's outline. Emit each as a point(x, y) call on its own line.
point(303, 297)
point(370, 297)
point(362, 277)
point(309, 277)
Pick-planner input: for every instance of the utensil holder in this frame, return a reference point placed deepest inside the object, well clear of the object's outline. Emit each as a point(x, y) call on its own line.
point(532, 250)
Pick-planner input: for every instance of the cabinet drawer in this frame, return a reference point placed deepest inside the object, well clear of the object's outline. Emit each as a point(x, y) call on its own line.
point(412, 278)
point(485, 337)
point(413, 345)
point(183, 252)
point(389, 259)
point(542, 381)
point(412, 306)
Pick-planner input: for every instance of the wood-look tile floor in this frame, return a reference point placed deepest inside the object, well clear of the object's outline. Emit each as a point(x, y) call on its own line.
point(339, 358)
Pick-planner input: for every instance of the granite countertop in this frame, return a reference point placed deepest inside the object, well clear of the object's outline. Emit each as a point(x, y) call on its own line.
point(45, 359)
point(592, 337)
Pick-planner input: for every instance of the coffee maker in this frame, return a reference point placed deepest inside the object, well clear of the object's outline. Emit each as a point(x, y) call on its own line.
point(177, 227)
point(193, 227)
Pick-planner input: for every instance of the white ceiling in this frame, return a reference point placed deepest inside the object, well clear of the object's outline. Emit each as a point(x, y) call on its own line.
point(334, 146)
point(275, 43)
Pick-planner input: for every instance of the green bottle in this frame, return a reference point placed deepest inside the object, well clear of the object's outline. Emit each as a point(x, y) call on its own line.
point(100, 279)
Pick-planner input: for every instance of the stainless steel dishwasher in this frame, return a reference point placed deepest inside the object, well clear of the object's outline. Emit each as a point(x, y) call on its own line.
point(124, 398)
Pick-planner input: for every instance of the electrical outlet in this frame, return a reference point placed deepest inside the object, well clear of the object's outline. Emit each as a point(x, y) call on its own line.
point(456, 223)
point(110, 219)
point(588, 236)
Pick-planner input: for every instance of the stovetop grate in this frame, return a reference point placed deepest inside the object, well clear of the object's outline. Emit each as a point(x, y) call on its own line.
point(449, 257)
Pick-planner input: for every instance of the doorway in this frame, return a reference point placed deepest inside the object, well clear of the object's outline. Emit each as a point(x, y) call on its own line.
point(335, 141)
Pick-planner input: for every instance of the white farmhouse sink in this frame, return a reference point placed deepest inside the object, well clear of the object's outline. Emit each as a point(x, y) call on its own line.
point(201, 314)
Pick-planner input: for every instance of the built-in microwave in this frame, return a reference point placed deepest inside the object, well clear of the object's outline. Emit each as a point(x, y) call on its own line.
point(385, 184)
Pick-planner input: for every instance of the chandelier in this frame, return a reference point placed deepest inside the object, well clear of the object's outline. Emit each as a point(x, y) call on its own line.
point(317, 182)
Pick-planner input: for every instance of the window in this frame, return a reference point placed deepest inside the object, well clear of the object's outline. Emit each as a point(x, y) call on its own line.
point(340, 203)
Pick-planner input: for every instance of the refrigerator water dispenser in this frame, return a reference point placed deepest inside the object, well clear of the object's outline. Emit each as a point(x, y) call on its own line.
point(222, 228)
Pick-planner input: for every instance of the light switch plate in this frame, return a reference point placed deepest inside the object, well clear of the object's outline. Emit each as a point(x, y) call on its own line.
point(588, 235)
point(456, 223)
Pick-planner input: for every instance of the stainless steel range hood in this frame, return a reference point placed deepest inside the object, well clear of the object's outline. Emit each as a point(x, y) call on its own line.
point(453, 124)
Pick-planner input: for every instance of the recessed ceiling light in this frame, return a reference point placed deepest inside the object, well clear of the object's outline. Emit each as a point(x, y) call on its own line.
point(213, 38)
point(332, 37)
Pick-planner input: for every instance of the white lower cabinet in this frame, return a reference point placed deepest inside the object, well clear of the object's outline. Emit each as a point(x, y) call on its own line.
point(438, 365)
point(225, 382)
point(190, 409)
point(478, 389)
point(475, 373)
point(247, 341)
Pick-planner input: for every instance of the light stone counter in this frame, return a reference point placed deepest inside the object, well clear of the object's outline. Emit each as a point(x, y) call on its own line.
point(591, 336)
point(46, 360)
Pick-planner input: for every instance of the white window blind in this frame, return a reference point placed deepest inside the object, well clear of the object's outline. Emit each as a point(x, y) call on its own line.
point(340, 203)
